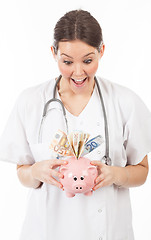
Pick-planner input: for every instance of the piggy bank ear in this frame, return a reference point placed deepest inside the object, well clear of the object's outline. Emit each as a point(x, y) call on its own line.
point(92, 170)
point(63, 169)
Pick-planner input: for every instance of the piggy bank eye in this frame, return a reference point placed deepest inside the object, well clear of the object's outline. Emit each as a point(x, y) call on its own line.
point(75, 178)
point(82, 178)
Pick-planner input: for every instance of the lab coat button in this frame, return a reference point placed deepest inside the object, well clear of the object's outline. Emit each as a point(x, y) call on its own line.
point(98, 123)
point(99, 152)
point(100, 238)
point(100, 210)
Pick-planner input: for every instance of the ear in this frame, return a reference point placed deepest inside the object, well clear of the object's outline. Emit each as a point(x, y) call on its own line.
point(92, 170)
point(53, 52)
point(102, 50)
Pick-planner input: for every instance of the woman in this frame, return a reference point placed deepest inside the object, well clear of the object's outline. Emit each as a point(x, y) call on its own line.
point(78, 48)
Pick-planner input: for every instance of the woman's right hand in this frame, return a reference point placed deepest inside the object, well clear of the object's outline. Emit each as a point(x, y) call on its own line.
point(44, 171)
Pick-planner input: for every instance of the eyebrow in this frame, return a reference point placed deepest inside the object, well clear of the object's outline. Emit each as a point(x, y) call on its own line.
point(72, 57)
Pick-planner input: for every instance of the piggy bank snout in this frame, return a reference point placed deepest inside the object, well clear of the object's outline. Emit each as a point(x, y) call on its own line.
point(79, 184)
point(78, 189)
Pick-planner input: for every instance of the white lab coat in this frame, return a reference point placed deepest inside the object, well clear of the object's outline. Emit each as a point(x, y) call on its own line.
point(106, 215)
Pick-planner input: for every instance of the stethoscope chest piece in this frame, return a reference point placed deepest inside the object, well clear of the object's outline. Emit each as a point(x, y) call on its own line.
point(106, 160)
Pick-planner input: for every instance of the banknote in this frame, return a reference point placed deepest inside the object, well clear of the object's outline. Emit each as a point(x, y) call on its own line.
point(74, 144)
point(70, 140)
point(60, 144)
point(77, 139)
point(92, 144)
point(73, 139)
point(83, 139)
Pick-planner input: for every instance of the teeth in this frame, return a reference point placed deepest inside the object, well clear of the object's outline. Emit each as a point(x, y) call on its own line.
point(79, 80)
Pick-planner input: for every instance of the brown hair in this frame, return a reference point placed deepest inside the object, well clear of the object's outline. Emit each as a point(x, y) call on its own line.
point(78, 24)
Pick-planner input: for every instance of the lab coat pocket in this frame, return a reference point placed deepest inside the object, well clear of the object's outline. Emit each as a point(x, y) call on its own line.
point(41, 151)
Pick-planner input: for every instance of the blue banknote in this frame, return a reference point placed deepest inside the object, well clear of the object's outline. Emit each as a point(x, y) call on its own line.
point(92, 144)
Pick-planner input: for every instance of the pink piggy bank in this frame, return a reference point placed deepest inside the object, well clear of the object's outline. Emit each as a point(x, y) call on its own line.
point(79, 176)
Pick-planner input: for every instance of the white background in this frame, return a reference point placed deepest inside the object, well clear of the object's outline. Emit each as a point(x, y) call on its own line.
point(26, 34)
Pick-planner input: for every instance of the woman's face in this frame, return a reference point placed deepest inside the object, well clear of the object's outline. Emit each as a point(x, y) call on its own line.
point(78, 63)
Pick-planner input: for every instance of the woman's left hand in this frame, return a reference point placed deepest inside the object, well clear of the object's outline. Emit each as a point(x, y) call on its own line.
point(128, 176)
point(106, 175)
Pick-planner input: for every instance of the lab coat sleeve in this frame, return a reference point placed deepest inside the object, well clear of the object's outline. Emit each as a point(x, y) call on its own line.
point(14, 146)
point(137, 131)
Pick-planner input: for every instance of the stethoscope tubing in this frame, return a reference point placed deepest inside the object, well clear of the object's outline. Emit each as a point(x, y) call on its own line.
point(106, 159)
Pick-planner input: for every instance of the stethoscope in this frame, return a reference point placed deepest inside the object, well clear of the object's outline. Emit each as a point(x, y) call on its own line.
point(106, 159)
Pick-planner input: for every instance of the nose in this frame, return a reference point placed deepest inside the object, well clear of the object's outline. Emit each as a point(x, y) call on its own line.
point(78, 70)
point(80, 188)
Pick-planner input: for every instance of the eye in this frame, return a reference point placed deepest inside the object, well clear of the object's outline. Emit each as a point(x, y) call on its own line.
point(87, 61)
point(67, 62)
point(82, 178)
point(75, 178)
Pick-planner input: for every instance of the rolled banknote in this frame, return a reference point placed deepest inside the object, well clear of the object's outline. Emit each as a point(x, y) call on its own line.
point(92, 144)
point(70, 140)
point(83, 139)
point(77, 139)
point(76, 142)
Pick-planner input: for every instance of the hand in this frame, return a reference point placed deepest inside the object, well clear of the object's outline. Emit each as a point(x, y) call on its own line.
point(44, 171)
point(106, 175)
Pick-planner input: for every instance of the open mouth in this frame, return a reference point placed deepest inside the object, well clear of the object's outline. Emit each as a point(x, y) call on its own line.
point(79, 82)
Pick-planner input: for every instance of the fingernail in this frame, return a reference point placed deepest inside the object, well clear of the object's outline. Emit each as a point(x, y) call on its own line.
point(96, 181)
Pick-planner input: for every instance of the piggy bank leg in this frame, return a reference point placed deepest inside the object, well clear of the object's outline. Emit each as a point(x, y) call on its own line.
point(68, 194)
point(89, 193)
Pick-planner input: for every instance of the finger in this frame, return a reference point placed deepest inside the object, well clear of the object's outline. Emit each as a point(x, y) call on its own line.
point(55, 173)
point(54, 182)
point(99, 178)
point(61, 162)
point(56, 163)
point(97, 163)
point(99, 185)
